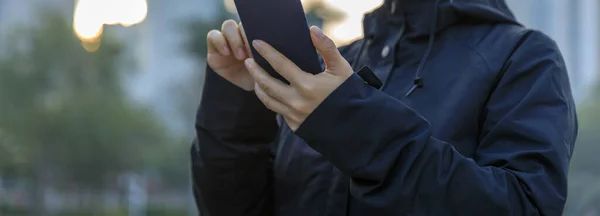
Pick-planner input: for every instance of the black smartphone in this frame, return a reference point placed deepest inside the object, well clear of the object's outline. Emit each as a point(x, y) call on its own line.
point(283, 25)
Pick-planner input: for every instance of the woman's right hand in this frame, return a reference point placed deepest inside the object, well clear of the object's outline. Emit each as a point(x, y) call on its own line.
point(227, 50)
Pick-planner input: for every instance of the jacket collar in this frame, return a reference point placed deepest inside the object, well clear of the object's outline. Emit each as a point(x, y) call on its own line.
point(398, 7)
point(419, 16)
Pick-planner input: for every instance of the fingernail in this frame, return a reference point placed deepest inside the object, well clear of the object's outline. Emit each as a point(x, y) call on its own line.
point(257, 44)
point(226, 51)
point(317, 32)
point(249, 63)
point(241, 53)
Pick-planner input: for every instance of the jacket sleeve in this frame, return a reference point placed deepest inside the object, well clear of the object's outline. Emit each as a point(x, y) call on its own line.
point(397, 165)
point(231, 156)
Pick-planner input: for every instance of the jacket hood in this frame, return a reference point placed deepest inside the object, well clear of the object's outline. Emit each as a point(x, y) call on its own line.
point(423, 17)
point(427, 17)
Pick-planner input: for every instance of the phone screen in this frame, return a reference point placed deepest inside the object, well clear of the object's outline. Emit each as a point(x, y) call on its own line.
point(283, 25)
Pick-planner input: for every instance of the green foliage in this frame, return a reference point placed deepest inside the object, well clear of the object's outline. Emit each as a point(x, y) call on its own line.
point(7, 210)
point(63, 109)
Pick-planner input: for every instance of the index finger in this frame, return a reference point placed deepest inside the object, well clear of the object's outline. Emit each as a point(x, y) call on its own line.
point(286, 68)
point(268, 84)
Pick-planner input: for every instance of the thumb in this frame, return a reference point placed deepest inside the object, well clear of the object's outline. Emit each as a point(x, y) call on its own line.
point(332, 57)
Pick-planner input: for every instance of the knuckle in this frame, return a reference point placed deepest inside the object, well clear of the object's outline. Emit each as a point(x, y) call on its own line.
point(263, 85)
point(299, 106)
point(256, 86)
point(330, 45)
point(280, 62)
point(262, 97)
point(327, 41)
point(333, 48)
point(294, 118)
point(305, 109)
point(275, 60)
point(307, 86)
point(288, 120)
point(267, 102)
point(258, 94)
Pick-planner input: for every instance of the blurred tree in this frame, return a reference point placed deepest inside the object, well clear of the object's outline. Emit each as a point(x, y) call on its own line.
point(63, 110)
point(12, 159)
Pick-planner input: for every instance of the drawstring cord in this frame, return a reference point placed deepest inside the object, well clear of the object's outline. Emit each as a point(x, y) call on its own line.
point(418, 80)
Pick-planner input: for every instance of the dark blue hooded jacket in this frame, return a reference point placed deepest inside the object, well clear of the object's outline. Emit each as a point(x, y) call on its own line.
point(475, 117)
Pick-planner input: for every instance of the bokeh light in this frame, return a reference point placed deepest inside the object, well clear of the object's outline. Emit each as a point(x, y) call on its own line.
point(90, 16)
point(350, 28)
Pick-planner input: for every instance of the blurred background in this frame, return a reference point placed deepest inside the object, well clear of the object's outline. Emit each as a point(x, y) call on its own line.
point(98, 97)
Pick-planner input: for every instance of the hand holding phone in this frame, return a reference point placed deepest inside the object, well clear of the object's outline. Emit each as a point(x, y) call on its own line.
point(227, 50)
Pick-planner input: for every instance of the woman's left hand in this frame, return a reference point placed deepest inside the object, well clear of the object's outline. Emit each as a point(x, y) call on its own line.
point(296, 101)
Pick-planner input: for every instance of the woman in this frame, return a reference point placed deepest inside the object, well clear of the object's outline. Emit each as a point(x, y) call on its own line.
point(474, 116)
